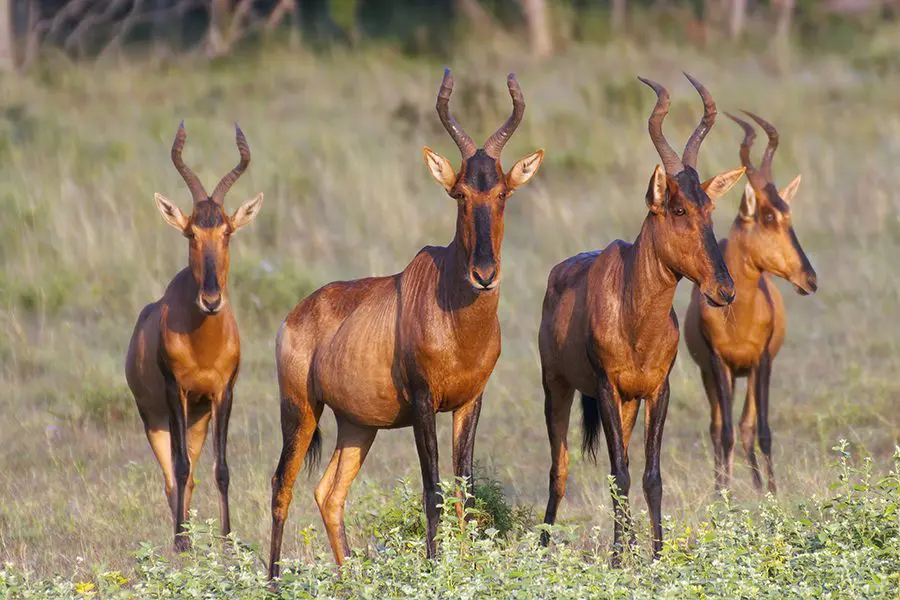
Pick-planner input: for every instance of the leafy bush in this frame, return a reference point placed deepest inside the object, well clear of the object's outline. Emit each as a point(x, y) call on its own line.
point(847, 545)
point(382, 515)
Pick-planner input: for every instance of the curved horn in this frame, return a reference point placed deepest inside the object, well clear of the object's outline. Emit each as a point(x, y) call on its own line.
point(749, 135)
point(198, 192)
point(463, 141)
point(495, 143)
point(669, 157)
point(692, 148)
point(218, 195)
point(766, 164)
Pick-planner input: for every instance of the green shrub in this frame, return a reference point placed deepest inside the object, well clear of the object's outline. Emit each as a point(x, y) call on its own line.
point(847, 545)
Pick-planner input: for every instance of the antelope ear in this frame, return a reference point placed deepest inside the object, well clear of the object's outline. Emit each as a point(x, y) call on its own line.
point(524, 169)
point(718, 186)
point(748, 203)
point(656, 191)
point(440, 168)
point(788, 192)
point(247, 212)
point(171, 213)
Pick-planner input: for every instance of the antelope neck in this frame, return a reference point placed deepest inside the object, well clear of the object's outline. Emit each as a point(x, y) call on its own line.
point(744, 273)
point(649, 285)
point(470, 309)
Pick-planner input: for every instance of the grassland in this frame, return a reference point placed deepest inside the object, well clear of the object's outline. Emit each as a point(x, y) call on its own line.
point(336, 143)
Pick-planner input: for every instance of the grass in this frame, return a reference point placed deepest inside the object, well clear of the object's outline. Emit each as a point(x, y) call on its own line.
point(843, 545)
point(336, 143)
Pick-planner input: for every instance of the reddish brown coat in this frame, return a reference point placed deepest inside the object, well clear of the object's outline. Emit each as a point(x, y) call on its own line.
point(744, 340)
point(184, 353)
point(388, 352)
point(608, 329)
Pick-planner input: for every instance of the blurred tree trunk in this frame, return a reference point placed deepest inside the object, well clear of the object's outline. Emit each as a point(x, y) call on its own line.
point(785, 19)
point(7, 37)
point(619, 15)
point(481, 21)
point(737, 18)
point(474, 12)
point(539, 27)
point(219, 12)
point(32, 36)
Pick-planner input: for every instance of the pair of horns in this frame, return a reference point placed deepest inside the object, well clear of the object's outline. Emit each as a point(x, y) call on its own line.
point(763, 175)
point(671, 162)
point(193, 182)
point(494, 145)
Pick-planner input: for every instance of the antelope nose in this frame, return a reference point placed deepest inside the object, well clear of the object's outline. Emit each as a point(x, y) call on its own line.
point(726, 294)
point(811, 281)
point(211, 305)
point(484, 280)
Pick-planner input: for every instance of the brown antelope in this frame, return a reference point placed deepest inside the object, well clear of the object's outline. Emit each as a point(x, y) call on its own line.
point(389, 352)
point(608, 329)
point(743, 341)
point(184, 353)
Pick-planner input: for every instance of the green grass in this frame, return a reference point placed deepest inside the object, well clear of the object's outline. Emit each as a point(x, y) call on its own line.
point(846, 544)
point(336, 143)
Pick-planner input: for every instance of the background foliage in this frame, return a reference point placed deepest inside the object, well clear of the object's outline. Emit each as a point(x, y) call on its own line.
point(336, 124)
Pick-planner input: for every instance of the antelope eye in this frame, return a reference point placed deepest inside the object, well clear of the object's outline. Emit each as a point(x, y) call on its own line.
point(678, 211)
point(769, 217)
point(457, 195)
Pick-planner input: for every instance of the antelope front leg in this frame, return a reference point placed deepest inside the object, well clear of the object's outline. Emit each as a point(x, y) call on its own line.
point(465, 420)
point(176, 398)
point(724, 383)
point(426, 445)
point(764, 372)
point(221, 413)
point(610, 415)
point(655, 420)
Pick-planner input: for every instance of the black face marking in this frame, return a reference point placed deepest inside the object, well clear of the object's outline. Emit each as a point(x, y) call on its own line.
point(775, 200)
point(481, 172)
point(210, 279)
point(689, 183)
point(711, 247)
point(804, 261)
point(208, 215)
point(484, 248)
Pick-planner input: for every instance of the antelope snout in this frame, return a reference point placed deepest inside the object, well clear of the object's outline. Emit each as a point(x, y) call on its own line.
point(806, 283)
point(726, 294)
point(210, 304)
point(484, 278)
point(720, 294)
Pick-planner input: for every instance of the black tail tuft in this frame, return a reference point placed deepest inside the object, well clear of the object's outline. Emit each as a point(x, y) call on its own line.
point(314, 452)
point(591, 426)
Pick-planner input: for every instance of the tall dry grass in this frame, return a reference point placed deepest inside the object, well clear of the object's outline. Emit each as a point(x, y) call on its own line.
point(336, 143)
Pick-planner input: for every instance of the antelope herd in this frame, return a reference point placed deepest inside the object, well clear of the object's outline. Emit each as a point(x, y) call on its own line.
point(391, 352)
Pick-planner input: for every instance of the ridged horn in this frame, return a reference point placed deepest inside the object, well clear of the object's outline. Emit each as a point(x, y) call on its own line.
point(463, 141)
point(198, 192)
point(218, 195)
point(692, 148)
point(766, 164)
point(671, 162)
point(494, 146)
point(753, 174)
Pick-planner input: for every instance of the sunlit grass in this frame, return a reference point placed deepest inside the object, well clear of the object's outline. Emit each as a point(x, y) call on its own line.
point(336, 144)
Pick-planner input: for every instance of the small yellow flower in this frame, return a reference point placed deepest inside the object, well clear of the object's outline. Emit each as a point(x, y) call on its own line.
point(85, 588)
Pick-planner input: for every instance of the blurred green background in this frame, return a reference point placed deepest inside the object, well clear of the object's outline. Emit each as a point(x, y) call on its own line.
point(337, 100)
